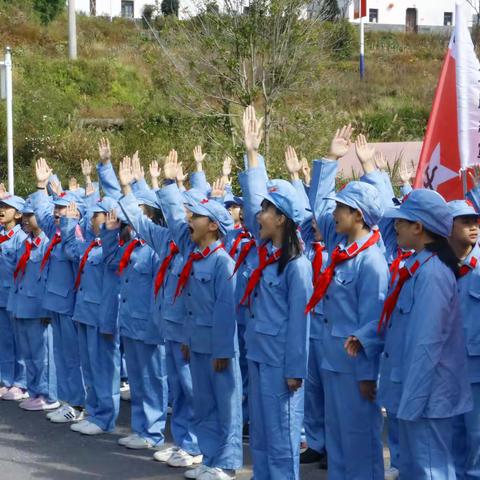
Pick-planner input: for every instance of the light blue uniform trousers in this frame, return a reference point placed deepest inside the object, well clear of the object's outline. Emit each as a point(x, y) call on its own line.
point(35, 341)
point(276, 416)
point(12, 366)
point(147, 376)
point(100, 358)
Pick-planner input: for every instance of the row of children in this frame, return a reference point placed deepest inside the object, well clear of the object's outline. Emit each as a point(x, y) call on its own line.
point(294, 299)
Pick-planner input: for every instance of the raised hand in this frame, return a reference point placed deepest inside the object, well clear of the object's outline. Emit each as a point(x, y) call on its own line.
point(104, 150)
point(365, 154)
point(89, 189)
point(306, 171)
point(111, 220)
point(227, 167)
point(340, 143)
point(170, 166)
point(137, 169)
point(86, 168)
point(42, 172)
point(55, 187)
point(3, 191)
point(218, 188)
point(125, 174)
point(73, 184)
point(292, 163)
point(252, 129)
point(155, 172)
point(474, 174)
point(181, 177)
point(406, 170)
point(199, 157)
point(380, 160)
point(72, 211)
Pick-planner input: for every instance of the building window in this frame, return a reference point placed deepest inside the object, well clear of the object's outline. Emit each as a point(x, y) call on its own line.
point(127, 8)
point(447, 18)
point(373, 15)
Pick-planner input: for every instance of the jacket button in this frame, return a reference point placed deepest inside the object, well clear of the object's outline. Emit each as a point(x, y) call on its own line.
point(191, 274)
point(126, 280)
point(386, 355)
point(255, 294)
point(253, 316)
point(190, 313)
point(325, 320)
point(123, 300)
point(189, 294)
point(327, 297)
point(81, 289)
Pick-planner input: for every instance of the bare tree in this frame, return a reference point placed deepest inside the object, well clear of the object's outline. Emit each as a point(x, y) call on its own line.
point(242, 53)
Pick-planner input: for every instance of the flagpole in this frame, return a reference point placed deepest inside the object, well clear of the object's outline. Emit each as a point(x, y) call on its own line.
point(464, 172)
point(362, 47)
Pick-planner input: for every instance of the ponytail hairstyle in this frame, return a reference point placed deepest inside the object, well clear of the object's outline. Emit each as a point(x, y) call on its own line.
point(291, 247)
point(443, 250)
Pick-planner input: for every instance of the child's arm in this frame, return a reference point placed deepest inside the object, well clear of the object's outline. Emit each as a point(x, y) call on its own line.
point(106, 173)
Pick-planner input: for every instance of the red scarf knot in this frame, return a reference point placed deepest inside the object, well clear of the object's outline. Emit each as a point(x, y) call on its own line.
point(83, 261)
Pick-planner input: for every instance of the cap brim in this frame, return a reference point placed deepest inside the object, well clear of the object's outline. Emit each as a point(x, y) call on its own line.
point(396, 212)
point(198, 209)
point(11, 205)
point(337, 199)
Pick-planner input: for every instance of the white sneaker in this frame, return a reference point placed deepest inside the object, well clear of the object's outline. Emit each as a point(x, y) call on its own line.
point(164, 454)
point(391, 473)
point(137, 443)
point(53, 413)
point(66, 414)
point(125, 395)
point(217, 474)
point(76, 427)
point(181, 458)
point(90, 428)
point(124, 440)
point(195, 472)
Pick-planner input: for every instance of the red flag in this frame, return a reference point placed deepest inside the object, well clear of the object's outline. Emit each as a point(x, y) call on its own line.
point(453, 126)
point(359, 8)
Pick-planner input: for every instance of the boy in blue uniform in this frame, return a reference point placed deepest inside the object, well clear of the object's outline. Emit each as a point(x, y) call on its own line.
point(353, 287)
point(59, 299)
point(12, 366)
point(33, 327)
point(210, 328)
point(464, 242)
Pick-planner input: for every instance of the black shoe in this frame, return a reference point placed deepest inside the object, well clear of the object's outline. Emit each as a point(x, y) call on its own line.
point(310, 456)
point(323, 463)
point(246, 431)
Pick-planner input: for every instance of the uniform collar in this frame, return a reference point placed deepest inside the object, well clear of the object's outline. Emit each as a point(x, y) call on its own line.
point(353, 247)
point(207, 250)
point(471, 260)
point(414, 262)
point(12, 231)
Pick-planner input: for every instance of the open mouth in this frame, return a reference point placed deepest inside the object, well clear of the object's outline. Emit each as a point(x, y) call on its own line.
point(190, 229)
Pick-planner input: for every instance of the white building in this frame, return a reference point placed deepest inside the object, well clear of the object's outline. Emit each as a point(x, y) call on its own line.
point(408, 15)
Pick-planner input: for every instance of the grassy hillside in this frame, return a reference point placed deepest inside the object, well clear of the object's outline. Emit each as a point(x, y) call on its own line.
point(123, 74)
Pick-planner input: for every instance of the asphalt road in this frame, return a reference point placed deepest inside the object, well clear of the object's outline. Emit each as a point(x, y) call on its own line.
point(31, 447)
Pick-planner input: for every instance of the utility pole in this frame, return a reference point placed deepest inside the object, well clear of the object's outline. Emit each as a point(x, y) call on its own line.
point(72, 31)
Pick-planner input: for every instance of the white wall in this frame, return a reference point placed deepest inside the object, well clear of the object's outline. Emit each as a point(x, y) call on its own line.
point(429, 12)
point(112, 7)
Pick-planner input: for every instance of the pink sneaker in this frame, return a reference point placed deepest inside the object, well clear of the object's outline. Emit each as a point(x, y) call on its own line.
point(3, 391)
point(40, 404)
point(15, 393)
point(25, 405)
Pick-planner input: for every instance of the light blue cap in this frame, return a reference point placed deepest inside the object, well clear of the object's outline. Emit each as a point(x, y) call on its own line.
point(284, 196)
point(28, 207)
point(13, 201)
point(192, 196)
point(427, 207)
point(106, 205)
point(364, 197)
point(231, 200)
point(146, 197)
point(213, 210)
point(462, 208)
point(67, 198)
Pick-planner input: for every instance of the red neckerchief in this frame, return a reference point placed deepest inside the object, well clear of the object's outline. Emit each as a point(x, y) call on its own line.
point(193, 257)
point(57, 238)
point(160, 277)
point(83, 261)
point(338, 256)
point(7, 236)
point(264, 261)
point(317, 261)
point(128, 253)
point(245, 250)
point(237, 241)
point(404, 274)
point(22, 263)
point(395, 266)
point(468, 267)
